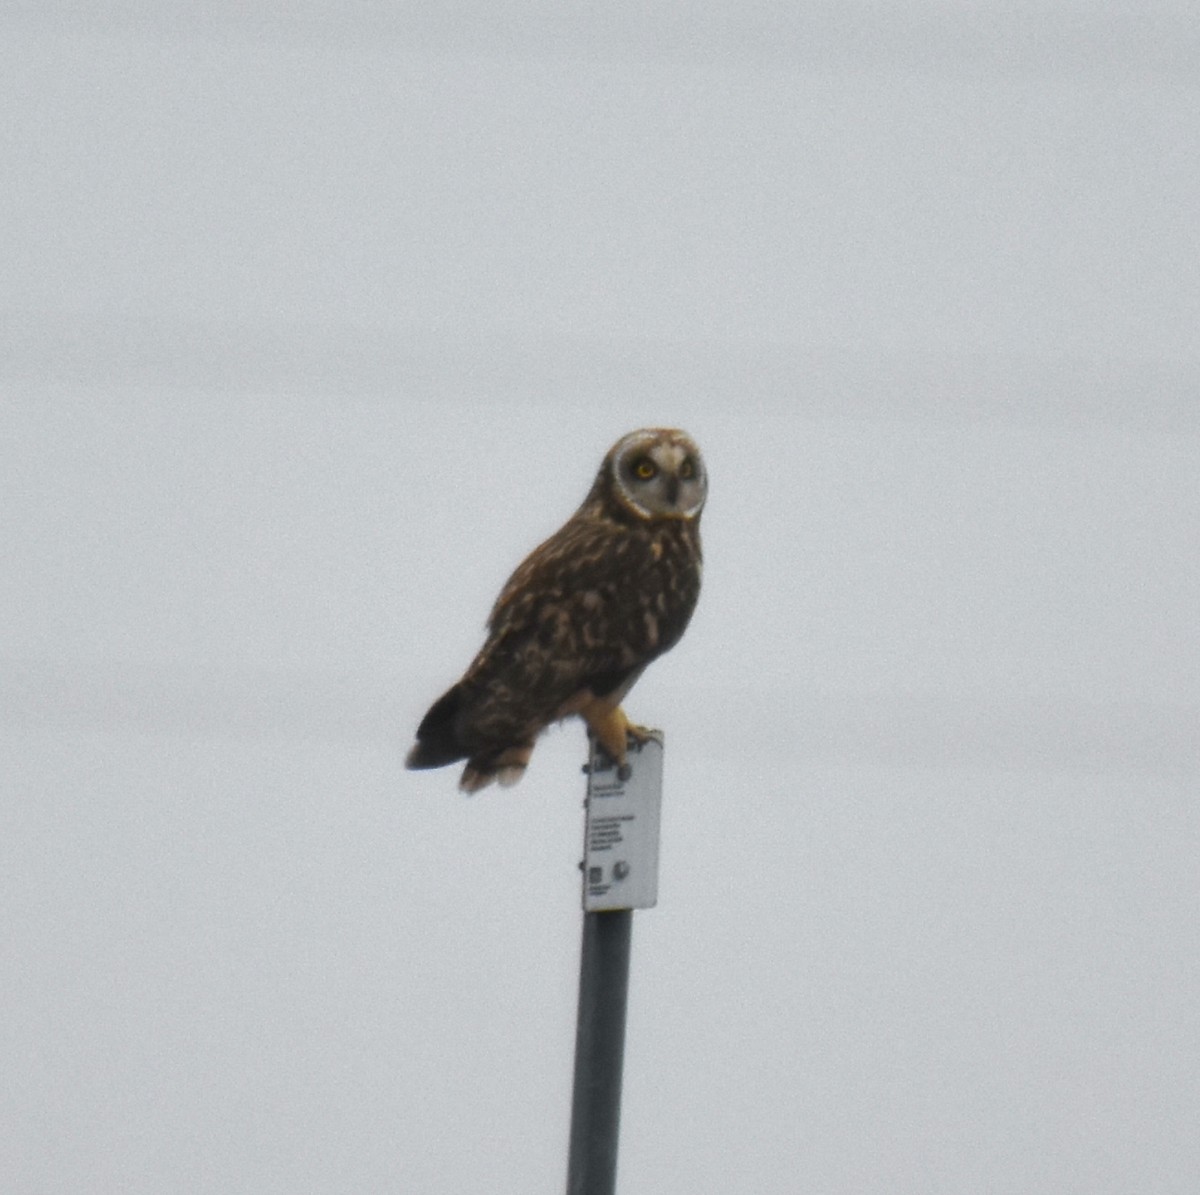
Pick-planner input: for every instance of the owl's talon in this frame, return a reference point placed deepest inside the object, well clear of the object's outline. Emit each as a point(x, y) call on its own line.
point(624, 772)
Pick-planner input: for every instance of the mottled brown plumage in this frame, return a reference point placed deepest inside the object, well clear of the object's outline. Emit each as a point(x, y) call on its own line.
point(581, 617)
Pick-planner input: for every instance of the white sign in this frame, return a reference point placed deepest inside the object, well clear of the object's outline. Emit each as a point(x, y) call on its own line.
point(620, 846)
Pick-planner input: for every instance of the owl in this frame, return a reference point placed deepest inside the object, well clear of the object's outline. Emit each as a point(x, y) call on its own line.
point(581, 618)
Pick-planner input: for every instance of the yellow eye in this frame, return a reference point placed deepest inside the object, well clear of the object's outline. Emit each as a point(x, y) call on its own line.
point(645, 469)
point(687, 470)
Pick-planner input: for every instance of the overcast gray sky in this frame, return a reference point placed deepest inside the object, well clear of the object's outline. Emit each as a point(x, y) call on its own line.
point(314, 319)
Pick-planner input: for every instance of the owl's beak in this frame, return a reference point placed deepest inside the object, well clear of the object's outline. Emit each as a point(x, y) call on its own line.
point(673, 490)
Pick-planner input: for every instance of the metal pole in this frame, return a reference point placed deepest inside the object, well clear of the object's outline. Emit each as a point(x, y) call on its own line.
point(599, 1052)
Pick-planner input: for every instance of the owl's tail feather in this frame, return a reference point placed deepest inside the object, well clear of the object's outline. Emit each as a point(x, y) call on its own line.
point(507, 767)
point(437, 740)
point(438, 744)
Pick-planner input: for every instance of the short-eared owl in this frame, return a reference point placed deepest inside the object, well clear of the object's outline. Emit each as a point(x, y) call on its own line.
point(581, 617)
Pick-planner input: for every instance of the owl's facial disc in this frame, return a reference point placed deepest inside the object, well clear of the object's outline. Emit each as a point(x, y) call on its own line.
point(659, 474)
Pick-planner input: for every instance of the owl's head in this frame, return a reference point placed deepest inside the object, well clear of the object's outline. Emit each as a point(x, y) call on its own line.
point(656, 473)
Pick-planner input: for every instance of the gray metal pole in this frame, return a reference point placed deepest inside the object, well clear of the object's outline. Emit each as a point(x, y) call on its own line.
point(599, 1052)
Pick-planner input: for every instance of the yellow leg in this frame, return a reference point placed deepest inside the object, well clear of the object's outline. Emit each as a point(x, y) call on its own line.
point(610, 725)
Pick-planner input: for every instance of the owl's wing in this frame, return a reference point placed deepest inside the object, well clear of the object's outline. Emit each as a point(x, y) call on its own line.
point(567, 619)
point(579, 553)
